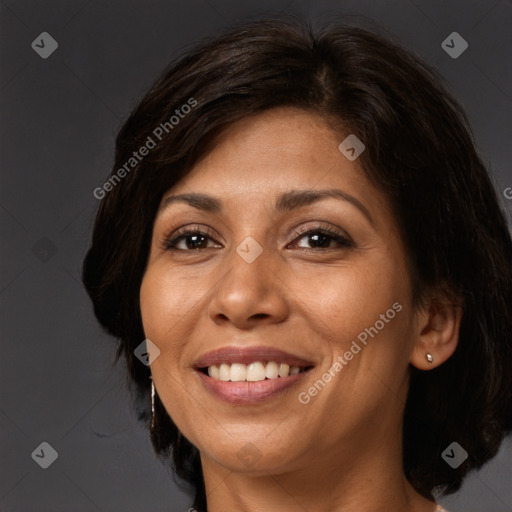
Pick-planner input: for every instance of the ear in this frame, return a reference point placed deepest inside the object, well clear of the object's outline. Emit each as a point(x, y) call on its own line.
point(437, 334)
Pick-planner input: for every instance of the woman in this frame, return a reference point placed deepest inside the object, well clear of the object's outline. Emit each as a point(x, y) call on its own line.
point(300, 233)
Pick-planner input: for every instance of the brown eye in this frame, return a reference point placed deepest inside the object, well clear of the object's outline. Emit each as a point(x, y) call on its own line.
point(323, 238)
point(187, 240)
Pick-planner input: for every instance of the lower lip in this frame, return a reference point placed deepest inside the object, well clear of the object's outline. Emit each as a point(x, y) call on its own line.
point(249, 392)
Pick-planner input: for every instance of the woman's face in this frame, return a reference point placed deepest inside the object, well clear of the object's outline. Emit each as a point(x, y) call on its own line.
point(296, 251)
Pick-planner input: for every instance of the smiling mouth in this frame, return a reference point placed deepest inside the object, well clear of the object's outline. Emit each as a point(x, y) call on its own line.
point(253, 372)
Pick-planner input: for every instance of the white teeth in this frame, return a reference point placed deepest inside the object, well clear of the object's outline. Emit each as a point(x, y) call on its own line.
point(214, 372)
point(224, 371)
point(238, 372)
point(257, 371)
point(272, 370)
point(284, 370)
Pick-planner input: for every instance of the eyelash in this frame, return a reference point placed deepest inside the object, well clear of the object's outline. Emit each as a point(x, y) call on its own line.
point(170, 242)
point(334, 234)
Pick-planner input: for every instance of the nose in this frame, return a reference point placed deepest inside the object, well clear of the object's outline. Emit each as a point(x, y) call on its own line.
point(249, 294)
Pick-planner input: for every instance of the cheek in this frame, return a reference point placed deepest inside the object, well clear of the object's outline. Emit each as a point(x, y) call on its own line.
point(344, 301)
point(170, 301)
point(162, 304)
point(153, 297)
point(165, 298)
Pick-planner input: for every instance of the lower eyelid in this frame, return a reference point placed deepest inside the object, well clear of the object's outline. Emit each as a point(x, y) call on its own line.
point(341, 244)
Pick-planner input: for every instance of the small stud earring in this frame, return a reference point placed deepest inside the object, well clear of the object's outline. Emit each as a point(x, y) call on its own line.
point(429, 357)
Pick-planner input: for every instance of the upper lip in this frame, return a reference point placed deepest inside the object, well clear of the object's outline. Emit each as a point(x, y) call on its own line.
point(248, 355)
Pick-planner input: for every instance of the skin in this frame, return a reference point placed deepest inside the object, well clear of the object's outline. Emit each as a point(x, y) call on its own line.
point(342, 450)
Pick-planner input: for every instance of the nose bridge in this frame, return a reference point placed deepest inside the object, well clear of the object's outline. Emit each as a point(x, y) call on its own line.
point(250, 268)
point(249, 289)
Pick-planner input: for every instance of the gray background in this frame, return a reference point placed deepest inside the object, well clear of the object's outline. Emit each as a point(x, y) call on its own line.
point(59, 117)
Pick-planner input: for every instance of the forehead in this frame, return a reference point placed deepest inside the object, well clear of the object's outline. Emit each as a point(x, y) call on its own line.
point(274, 151)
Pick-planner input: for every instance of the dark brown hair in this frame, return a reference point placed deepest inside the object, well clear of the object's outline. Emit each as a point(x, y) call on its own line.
point(419, 152)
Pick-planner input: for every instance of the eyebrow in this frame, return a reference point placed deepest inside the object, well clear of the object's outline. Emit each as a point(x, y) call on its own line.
point(287, 201)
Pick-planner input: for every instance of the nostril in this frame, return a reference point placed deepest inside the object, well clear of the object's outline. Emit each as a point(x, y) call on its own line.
point(260, 315)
